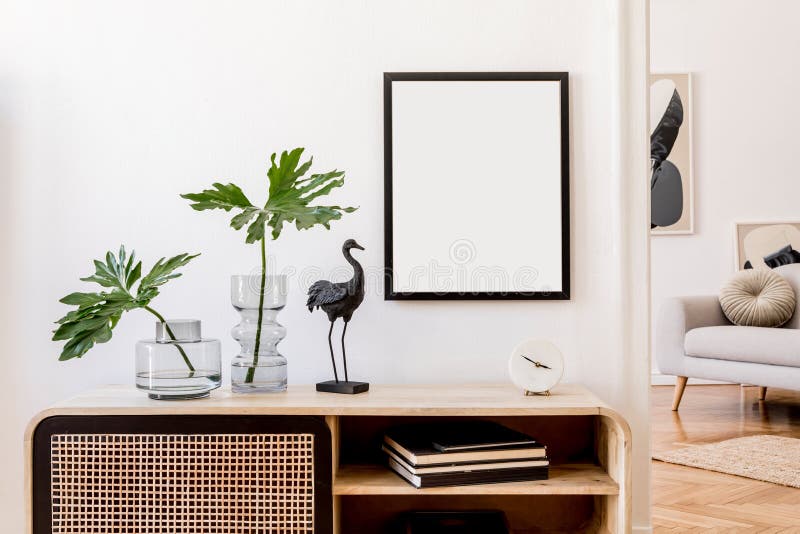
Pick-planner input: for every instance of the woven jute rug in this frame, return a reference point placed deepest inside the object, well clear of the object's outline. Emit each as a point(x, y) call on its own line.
point(773, 459)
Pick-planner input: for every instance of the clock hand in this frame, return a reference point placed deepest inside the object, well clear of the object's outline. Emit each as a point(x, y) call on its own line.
point(537, 364)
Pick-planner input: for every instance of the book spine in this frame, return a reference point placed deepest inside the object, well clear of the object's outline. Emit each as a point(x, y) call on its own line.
point(432, 482)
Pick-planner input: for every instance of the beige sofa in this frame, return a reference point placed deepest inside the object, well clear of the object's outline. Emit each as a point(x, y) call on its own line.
point(694, 339)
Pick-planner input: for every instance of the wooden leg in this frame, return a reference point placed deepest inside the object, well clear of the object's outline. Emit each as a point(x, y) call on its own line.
point(679, 387)
point(762, 393)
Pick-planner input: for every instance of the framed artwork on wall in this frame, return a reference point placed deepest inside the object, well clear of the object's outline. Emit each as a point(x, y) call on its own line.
point(766, 245)
point(476, 177)
point(672, 172)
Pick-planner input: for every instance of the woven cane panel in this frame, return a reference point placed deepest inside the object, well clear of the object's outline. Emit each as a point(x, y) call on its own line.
point(204, 483)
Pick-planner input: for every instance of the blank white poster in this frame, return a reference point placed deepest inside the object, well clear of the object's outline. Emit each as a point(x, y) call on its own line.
point(476, 186)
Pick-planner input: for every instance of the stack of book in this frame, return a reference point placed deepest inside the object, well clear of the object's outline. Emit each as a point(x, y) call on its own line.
point(464, 452)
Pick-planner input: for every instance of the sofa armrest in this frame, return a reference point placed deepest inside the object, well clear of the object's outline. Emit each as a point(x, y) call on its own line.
point(676, 317)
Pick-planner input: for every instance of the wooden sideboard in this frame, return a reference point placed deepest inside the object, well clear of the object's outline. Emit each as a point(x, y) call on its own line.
point(588, 443)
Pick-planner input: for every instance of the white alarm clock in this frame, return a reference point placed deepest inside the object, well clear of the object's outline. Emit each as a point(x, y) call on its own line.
point(536, 366)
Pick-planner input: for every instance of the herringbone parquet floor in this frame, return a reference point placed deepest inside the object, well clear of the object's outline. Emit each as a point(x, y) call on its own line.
point(693, 500)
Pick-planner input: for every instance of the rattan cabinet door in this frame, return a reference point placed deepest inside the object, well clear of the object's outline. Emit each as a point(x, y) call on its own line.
point(182, 474)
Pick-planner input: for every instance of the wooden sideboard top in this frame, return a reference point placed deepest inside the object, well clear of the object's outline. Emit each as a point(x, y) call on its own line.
point(433, 400)
point(609, 480)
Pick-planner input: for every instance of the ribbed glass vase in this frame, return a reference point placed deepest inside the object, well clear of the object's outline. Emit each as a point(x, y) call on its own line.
point(258, 367)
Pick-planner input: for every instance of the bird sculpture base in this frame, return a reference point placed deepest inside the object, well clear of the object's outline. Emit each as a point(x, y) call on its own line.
point(346, 387)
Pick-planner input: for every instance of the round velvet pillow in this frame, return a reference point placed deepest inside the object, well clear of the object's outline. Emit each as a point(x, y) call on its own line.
point(757, 297)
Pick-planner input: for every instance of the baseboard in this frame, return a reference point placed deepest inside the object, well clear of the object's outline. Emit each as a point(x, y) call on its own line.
point(642, 530)
point(657, 379)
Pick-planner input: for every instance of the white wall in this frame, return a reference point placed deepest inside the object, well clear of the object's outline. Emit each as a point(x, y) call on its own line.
point(743, 58)
point(109, 110)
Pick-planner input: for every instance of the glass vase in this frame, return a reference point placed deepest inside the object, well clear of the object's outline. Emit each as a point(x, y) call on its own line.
point(178, 364)
point(258, 367)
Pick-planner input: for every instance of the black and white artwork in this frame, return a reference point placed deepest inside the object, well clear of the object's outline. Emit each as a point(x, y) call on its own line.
point(766, 245)
point(671, 180)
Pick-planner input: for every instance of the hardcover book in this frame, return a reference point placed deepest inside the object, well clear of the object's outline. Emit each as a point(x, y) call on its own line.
point(441, 444)
point(478, 435)
point(490, 476)
point(463, 467)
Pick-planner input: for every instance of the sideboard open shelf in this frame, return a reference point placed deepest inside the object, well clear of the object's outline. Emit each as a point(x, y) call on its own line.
point(588, 443)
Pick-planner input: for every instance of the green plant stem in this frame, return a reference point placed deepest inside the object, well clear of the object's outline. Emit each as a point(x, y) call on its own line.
point(172, 337)
point(251, 372)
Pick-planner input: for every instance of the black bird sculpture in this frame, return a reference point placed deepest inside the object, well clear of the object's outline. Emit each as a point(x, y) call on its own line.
point(337, 300)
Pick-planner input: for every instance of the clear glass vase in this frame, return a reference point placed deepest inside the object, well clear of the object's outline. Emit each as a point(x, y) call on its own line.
point(258, 367)
point(178, 364)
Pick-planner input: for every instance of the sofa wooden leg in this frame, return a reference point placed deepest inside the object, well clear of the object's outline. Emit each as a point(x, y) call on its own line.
point(762, 393)
point(680, 385)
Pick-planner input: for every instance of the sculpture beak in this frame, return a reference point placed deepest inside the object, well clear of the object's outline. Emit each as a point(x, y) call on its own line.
point(359, 247)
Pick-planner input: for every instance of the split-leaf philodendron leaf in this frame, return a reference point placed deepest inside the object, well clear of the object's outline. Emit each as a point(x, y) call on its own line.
point(97, 313)
point(288, 202)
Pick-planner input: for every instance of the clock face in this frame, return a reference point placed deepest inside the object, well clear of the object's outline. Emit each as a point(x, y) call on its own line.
point(536, 365)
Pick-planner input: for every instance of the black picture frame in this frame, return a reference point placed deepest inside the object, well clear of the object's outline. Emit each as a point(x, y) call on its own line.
point(563, 79)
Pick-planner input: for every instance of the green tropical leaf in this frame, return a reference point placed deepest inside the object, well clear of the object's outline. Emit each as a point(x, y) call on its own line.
point(92, 326)
point(285, 174)
point(98, 313)
point(244, 217)
point(71, 329)
point(163, 271)
point(83, 299)
point(116, 272)
point(223, 197)
point(289, 196)
point(133, 275)
point(288, 201)
point(255, 232)
point(102, 275)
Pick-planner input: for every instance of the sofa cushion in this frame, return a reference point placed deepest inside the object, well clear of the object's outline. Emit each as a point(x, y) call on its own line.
point(773, 346)
point(757, 297)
